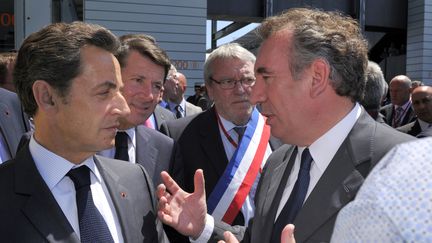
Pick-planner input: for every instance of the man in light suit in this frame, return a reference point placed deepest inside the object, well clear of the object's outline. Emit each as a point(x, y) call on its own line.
point(175, 87)
point(310, 76)
point(57, 189)
point(13, 124)
point(159, 116)
point(144, 66)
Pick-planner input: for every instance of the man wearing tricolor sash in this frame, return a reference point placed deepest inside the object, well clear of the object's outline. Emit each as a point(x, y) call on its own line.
point(230, 142)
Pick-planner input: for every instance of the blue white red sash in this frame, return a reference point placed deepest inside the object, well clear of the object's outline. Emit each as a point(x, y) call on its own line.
point(233, 187)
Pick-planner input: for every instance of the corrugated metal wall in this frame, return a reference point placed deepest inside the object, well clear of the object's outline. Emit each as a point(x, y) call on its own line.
point(419, 41)
point(178, 26)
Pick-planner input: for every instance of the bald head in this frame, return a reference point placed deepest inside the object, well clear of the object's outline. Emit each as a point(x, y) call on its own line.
point(182, 81)
point(422, 103)
point(400, 90)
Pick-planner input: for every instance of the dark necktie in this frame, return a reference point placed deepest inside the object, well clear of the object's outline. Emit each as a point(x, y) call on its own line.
point(296, 199)
point(398, 116)
point(121, 146)
point(91, 223)
point(178, 111)
point(240, 131)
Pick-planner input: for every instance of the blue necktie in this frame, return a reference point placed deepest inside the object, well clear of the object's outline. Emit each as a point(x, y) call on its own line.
point(296, 199)
point(121, 146)
point(91, 223)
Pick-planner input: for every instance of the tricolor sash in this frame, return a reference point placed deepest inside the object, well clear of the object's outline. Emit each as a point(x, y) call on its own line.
point(230, 192)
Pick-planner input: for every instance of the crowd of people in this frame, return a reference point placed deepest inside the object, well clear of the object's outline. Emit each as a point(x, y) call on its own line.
point(297, 143)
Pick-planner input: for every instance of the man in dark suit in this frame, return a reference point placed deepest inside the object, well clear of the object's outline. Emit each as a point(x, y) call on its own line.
point(57, 189)
point(422, 104)
point(144, 66)
point(400, 111)
point(310, 77)
point(13, 124)
point(209, 140)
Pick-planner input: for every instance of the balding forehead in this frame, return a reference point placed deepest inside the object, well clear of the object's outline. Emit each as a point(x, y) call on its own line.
point(423, 89)
point(401, 79)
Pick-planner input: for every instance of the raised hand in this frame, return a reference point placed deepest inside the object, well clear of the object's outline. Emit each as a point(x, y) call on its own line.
point(185, 212)
point(228, 238)
point(287, 236)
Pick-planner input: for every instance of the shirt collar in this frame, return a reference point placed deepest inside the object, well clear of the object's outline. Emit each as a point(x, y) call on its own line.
point(404, 106)
point(53, 167)
point(228, 125)
point(182, 104)
point(324, 148)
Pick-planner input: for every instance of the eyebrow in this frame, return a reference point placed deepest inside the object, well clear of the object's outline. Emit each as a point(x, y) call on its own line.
point(262, 70)
point(109, 84)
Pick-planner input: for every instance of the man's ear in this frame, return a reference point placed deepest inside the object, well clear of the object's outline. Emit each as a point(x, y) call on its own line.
point(320, 77)
point(44, 95)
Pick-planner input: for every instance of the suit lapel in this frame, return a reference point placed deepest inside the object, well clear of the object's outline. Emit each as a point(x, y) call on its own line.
point(119, 196)
point(146, 153)
point(41, 208)
point(211, 142)
point(415, 129)
point(340, 181)
point(278, 178)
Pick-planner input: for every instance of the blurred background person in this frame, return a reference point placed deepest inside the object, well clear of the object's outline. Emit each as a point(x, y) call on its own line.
point(374, 92)
point(175, 87)
point(7, 63)
point(422, 104)
point(400, 111)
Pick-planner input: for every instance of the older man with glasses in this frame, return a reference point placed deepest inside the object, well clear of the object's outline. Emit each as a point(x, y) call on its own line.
point(230, 142)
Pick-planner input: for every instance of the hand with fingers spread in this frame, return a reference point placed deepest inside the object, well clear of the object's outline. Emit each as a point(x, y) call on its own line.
point(185, 212)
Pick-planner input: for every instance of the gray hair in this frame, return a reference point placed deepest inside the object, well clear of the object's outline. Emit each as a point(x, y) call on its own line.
point(375, 87)
point(328, 35)
point(226, 51)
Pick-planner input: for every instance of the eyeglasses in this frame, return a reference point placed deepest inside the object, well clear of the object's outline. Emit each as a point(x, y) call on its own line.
point(231, 83)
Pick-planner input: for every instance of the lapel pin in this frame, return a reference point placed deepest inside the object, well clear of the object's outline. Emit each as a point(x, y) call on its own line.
point(123, 194)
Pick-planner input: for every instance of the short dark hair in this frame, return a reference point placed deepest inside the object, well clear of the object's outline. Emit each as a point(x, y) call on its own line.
point(328, 35)
point(147, 47)
point(53, 54)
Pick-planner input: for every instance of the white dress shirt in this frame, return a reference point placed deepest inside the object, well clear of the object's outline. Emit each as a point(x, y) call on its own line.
point(322, 151)
point(110, 153)
point(53, 170)
point(172, 107)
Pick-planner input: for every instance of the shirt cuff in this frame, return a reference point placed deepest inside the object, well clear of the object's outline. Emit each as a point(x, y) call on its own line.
point(207, 232)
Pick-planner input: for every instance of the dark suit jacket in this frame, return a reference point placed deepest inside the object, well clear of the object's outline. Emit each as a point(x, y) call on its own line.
point(388, 112)
point(199, 146)
point(365, 145)
point(162, 115)
point(13, 122)
point(153, 151)
point(30, 213)
point(412, 128)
